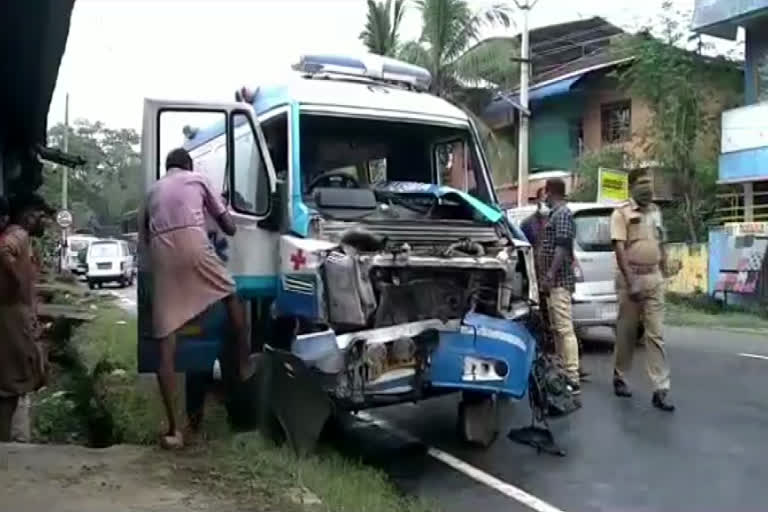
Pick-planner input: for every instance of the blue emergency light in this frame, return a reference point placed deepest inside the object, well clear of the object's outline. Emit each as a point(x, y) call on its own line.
point(372, 67)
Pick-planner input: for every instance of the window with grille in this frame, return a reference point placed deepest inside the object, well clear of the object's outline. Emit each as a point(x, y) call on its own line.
point(616, 120)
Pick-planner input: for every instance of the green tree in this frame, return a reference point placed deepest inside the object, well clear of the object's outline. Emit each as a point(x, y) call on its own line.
point(108, 184)
point(686, 92)
point(612, 157)
point(464, 69)
point(382, 25)
point(448, 46)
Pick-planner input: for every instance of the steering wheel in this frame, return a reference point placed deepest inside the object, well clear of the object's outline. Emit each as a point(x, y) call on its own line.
point(332, 174)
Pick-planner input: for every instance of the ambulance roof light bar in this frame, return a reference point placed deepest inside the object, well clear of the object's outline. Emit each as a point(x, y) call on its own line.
point(372, 67)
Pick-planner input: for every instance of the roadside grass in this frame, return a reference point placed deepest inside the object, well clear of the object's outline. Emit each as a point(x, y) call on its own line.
point(705, 311)
point(95, 387)
point(245, 467)
point(253, 468)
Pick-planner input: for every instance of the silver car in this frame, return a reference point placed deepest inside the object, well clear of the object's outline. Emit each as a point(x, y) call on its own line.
point(594, 301)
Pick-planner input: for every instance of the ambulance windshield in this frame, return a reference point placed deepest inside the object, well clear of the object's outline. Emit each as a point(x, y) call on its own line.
point(342, 152)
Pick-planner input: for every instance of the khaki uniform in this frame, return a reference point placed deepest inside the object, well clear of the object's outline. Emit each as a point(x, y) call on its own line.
point(642, 232)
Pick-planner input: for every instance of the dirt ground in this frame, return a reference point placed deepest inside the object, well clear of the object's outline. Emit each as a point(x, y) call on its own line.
point(68, 478)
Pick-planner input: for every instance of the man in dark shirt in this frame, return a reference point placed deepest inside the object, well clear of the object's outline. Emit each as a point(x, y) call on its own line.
point(534, 223)
point(555, 264)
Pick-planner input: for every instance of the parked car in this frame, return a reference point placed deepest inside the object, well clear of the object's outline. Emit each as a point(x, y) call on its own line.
point(82, 261)
point(75, 245)
point(594, 301)
point(110, 261)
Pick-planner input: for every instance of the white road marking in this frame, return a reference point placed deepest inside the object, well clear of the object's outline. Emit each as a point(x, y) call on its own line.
point(754, 356)
point(509, 490)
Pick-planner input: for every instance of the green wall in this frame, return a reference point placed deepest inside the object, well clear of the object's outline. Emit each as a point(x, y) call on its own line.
point(550, 138)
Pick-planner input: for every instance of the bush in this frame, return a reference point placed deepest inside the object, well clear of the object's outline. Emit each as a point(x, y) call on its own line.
point(96, 396)
point(708, 304)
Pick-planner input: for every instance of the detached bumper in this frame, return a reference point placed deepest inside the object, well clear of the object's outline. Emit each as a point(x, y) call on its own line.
point(480, 353)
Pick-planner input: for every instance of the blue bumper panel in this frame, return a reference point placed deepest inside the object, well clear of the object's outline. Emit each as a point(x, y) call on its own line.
point(484, 341)
point(297, 295)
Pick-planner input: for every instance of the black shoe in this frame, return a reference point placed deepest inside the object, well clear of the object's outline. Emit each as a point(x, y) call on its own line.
point(575, 387)
point(661, 401)
point(584, 375)
point(620, 388)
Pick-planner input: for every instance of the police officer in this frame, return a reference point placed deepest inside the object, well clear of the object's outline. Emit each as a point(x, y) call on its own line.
point(638, 236)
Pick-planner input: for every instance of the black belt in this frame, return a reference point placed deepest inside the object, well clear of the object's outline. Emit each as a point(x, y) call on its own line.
point(644, 269)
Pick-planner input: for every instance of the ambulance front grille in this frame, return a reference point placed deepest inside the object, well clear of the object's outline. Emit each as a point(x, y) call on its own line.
point(417, 233)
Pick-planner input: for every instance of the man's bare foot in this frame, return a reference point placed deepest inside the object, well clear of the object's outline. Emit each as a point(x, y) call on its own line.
point(173, 441)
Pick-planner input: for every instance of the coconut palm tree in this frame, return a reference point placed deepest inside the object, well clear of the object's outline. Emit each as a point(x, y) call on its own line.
point(464, 69)
point(382, 24)
point(450, 48)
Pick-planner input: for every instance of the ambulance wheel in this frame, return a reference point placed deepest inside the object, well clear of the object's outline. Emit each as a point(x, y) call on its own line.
point(478, 418)
point(241, 399)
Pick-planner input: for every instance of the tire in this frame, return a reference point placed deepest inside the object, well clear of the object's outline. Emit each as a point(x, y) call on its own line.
point(240, 398)
point(91, 285)
point(477, 419)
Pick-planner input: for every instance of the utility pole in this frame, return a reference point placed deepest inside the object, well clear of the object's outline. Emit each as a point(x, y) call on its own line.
point(525, 62)
point(64, 187)
point(65, 170)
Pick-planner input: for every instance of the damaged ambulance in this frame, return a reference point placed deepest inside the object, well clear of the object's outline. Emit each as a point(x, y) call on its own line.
point(375, 262)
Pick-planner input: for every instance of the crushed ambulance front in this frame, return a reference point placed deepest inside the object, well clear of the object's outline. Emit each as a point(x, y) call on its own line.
point(412, 308)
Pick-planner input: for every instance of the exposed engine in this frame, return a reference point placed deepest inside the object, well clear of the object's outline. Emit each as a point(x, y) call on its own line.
point(403, 295)
point(377, 278)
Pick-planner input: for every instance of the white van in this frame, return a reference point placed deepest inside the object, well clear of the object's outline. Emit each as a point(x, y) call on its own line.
point(110, 261)
point(594, 301)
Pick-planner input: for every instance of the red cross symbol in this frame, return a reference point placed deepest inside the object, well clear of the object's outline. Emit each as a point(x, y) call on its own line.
point(298, 259)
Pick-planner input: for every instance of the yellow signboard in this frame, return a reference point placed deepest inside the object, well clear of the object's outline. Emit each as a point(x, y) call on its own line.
point(612, 186)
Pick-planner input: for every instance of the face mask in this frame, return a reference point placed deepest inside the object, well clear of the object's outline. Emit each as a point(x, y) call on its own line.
point(543, 208)
point(642, 194)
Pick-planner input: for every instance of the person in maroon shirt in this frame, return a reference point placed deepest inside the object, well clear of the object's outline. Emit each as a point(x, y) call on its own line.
point(187, 275)
point(22, 362)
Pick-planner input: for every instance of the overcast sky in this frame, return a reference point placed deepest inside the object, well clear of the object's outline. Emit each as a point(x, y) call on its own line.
point(120, 51)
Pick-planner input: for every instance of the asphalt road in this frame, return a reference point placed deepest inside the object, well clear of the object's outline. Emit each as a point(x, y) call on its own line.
point(126, 297)
point(622, 454)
